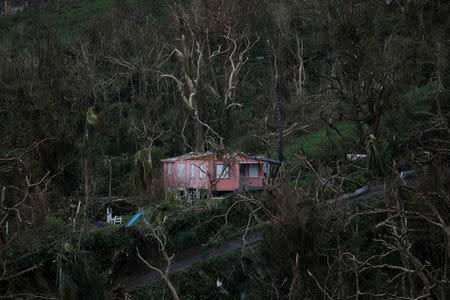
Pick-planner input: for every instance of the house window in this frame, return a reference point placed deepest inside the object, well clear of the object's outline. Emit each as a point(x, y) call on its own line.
point(201, 171)
point(222, 172)
point(169, 168)
point(253, 171)
point(193, 171)
point(181, 170)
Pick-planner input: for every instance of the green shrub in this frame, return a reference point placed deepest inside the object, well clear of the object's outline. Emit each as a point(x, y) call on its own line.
point(213, 241)
point(324, 144)
point(353, 183)
point(185, 239)
point(233, 269)
point(103, 243)
point(229, 230)
point(54, 223)
point(376, 156)
point(77, 276)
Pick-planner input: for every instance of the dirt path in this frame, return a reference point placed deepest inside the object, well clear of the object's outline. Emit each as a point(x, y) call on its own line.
point(177, 266)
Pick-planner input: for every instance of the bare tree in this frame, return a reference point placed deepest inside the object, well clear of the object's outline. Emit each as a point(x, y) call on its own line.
point(20, 203)
point(196, 57)
point(159, 234)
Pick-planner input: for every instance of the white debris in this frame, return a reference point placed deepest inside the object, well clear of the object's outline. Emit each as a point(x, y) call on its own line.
point(406, 173)
point(355, 157)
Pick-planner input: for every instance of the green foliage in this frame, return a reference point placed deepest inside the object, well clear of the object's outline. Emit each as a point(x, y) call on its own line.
point(62, 57)
point(142, 172)
point(172, 197)
point(185, 239)
point(157, 212)
point(54, 223)
point(77, 278)
point(352, 183)
point(121, 174)
point(406, 119)
point(376, 161)
point(102, 243)
point(195, 228)
point(213, 241)
point(72, 18)
point(91, 120)
point(102, 239)
point(91, 117)
point(324, 144)
point(233, 269)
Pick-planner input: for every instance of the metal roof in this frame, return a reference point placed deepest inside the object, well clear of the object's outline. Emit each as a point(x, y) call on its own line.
point(193, 156)
point(190, 155)
point(261, 158)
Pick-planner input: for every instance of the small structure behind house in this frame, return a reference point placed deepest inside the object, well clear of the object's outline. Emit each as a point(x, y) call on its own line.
point(194, 173)
point(356, 157)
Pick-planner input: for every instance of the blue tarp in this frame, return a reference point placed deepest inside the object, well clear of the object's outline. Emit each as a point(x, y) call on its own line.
point(134, 219)
point(271, 161)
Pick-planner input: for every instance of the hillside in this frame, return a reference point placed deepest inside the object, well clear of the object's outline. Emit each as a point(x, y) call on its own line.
point(95, 93)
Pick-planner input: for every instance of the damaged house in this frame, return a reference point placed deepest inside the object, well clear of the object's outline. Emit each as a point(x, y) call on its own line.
point(193, 173)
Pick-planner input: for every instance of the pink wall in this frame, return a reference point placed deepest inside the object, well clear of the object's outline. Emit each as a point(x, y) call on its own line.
point(228, 184)
point(254, 182)
point(172, 180)
point(223, 184)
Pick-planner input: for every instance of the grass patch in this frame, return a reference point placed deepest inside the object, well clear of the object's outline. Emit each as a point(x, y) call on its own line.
point(406, 119)
point(323, 143)
point(399, 122)
point(69, 18)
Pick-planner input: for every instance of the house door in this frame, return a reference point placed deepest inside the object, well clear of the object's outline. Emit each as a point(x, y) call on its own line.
point(241, 176)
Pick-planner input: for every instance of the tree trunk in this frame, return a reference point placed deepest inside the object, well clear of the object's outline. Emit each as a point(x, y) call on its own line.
point(149, 156)
point(198, 132)
point(171, 288)
point(277, 103)
point(86, 189)
point(110, 178)
point(211, 67)
point(356, 120)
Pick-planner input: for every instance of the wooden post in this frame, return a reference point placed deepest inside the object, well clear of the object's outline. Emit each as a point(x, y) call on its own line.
point(5, 8)
point(357, 220)
point(110, 177)
point(3, 197)
point(108, 215)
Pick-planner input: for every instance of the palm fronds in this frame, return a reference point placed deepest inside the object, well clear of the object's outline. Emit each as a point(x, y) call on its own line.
point(91, 120)
point(77, 279)
point(142, 172)
point(91, 116)
point(375, 156)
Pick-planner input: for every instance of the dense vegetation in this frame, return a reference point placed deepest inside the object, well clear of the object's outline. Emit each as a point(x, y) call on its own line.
point(93, 94)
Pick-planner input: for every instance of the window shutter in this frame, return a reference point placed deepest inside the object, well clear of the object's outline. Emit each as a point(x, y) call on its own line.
point(181, 170)
point(253, 171)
